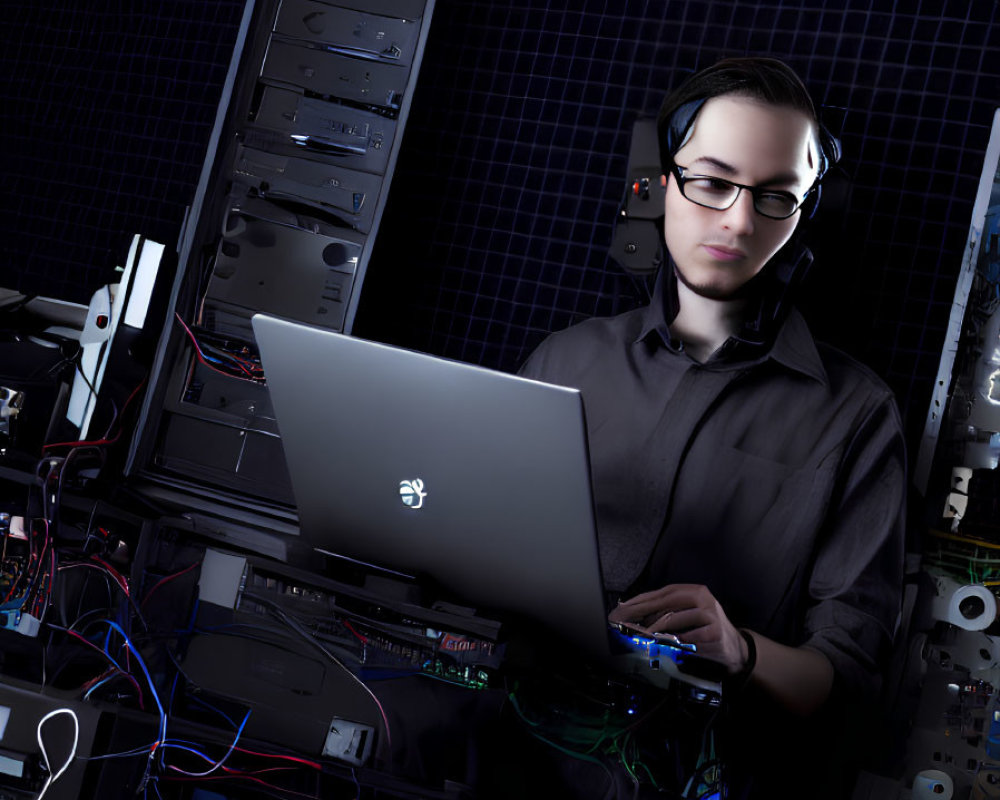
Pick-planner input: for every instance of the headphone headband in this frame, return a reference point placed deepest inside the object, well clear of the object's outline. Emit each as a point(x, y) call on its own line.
point(678, 131)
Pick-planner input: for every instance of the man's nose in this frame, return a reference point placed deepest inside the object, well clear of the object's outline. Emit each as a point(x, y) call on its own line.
point(740, 216)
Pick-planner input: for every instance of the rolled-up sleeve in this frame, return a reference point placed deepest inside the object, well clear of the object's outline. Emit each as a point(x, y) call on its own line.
point(856, 580)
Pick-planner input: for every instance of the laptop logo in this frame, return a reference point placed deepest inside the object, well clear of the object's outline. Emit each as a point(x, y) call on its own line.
point(412, 493)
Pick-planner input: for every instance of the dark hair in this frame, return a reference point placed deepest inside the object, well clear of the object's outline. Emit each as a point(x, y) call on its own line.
point(765, 79)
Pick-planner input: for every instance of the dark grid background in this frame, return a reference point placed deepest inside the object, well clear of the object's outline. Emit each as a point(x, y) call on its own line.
point(107, 112)
point(515, 153)
point(514, 156)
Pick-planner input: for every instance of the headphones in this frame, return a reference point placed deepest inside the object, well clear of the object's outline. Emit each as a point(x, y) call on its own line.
point(637, 235)
point(678, 131)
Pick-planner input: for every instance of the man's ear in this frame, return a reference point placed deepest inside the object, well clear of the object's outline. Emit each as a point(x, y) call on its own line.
point(663, 181)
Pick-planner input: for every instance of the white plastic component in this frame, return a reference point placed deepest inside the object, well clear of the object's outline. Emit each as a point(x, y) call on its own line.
point(4, 718)
point(221, 576)
point(125, 302)
point(955, 505)
point(349, 741)
point(932, 784)
point(972, 607)
point(961, 477)
point(97, 330)
point(143, 280)
point(11, 766)
point(28, 625)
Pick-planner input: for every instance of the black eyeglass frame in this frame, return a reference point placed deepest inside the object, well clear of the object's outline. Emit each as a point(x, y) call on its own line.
point(755, 191)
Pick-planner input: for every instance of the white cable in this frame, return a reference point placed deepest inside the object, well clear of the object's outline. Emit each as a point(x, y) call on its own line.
point(54, 776)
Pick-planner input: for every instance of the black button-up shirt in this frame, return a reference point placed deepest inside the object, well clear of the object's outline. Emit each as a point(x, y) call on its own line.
point(773, 473)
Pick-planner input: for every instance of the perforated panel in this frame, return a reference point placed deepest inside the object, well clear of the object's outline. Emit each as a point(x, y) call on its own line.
point(514, 162)
point(107, 111)
point(500, 215)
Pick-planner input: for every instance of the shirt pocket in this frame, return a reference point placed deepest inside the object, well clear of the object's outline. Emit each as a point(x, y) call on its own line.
point(756, 522)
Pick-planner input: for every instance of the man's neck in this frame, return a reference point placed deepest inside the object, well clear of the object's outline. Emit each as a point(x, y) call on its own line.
point(704, 324)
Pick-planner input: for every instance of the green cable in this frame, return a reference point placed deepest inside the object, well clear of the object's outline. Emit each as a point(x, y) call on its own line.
point(619, 739)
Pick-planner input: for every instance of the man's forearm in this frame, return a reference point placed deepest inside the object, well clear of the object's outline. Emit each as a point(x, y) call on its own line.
point(799, 678)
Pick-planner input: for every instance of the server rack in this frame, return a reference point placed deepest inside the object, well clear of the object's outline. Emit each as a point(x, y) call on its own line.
point(284, 219)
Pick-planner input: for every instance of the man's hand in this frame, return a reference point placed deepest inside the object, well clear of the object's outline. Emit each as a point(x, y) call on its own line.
point(799, 678)
point(691, 613)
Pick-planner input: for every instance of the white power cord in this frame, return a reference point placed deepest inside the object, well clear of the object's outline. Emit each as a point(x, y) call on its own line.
point(54, 776)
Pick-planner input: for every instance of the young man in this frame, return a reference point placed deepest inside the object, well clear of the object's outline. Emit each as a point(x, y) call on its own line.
point(749, 483)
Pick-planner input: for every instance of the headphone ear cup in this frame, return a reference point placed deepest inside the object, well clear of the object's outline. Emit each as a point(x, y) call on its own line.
point(811, 204)
point(830, 149)
point(637, 234)
point(834, 192)
point(829, 155)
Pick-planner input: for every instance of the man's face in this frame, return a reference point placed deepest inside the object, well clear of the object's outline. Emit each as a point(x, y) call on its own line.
point(747, 142)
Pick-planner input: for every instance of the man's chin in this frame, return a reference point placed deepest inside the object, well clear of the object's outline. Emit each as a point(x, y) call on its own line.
point(711, 290)
point(721, 286)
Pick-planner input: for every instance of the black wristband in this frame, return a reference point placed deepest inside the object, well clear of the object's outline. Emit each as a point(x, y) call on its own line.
point(739, 680)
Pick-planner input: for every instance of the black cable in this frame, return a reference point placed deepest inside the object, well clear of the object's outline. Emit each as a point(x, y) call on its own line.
point(44, 656)
point(53, 517)
point(51, 462)
point(292, 623)
point(17, 305)
point(305, 634)
point(90, 523)
point(77, 361)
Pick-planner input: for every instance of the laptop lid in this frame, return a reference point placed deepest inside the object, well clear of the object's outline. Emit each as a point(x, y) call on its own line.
point(477, 479)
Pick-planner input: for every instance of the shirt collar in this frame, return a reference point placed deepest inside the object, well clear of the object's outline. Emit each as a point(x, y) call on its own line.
point(662, 308)
point(795, 348)
point(778, 332)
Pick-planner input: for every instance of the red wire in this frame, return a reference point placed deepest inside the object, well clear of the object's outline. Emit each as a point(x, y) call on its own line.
point(116, 669)
point(171, 777)
point(98, 678)
point(33, 557)
point(105, 440)
point(362, 637)
point(88, 443)
point(48, 585)
point(296, 759)
point(244, 364)
point(114, 573)
point(164, 580)
point(42, 588)
point(102, 567)
point(201, 355)
point(237, 771)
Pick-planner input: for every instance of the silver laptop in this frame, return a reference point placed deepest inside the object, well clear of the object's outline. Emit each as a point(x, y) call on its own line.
point(475, 479)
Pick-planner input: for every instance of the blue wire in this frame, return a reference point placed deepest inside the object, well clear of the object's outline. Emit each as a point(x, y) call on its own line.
point(173, 686)
point(149, 679)
point(156, 787)
point(181, 745)
point(210, 707)
point(194, 615)
point(111, 658)
point(138, 751)
point(31, 586)
point(96, 685)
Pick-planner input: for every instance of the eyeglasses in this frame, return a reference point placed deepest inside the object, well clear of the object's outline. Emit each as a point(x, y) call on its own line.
point(720, 194)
